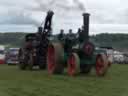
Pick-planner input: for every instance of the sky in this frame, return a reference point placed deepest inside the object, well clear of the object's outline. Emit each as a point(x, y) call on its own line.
point(106, 16)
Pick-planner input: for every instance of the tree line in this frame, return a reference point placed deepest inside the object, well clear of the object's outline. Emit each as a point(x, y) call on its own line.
point(117, 41)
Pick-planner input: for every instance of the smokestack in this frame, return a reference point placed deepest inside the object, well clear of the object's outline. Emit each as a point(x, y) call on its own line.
point(40, 29)
point(86, 25)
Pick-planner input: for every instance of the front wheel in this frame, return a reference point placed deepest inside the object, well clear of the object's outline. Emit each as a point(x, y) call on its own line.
point(30, 61)
point(101, 64)
point(42, 62)
point(73, 64)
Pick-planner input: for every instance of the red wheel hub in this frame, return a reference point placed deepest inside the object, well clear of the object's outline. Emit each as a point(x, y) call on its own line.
point(51, 59)
point(71, 65)
point(88, 48)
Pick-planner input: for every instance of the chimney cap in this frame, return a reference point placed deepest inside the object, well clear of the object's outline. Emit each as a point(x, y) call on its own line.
point(86, 14)
point(40, 29)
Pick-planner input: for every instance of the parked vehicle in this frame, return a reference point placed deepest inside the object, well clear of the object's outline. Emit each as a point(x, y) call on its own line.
point(119, 57)
point(12, 56)
point(2, 54)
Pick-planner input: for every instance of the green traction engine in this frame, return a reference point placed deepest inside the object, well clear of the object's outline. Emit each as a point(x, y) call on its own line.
point(78, 57)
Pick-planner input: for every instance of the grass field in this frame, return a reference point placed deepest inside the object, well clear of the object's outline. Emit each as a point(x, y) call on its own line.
point(14, 82)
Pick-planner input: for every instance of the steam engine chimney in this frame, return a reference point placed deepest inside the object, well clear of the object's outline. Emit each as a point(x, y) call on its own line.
point(86, 26)
point(40, 30)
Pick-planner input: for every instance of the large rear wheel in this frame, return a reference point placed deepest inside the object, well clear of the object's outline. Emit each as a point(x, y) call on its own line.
point(55, 56)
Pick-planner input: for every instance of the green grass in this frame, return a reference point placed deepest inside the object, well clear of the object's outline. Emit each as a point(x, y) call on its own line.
point(14, 82)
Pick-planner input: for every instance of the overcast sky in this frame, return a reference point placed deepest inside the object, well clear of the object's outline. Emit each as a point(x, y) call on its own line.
point(25, 15)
